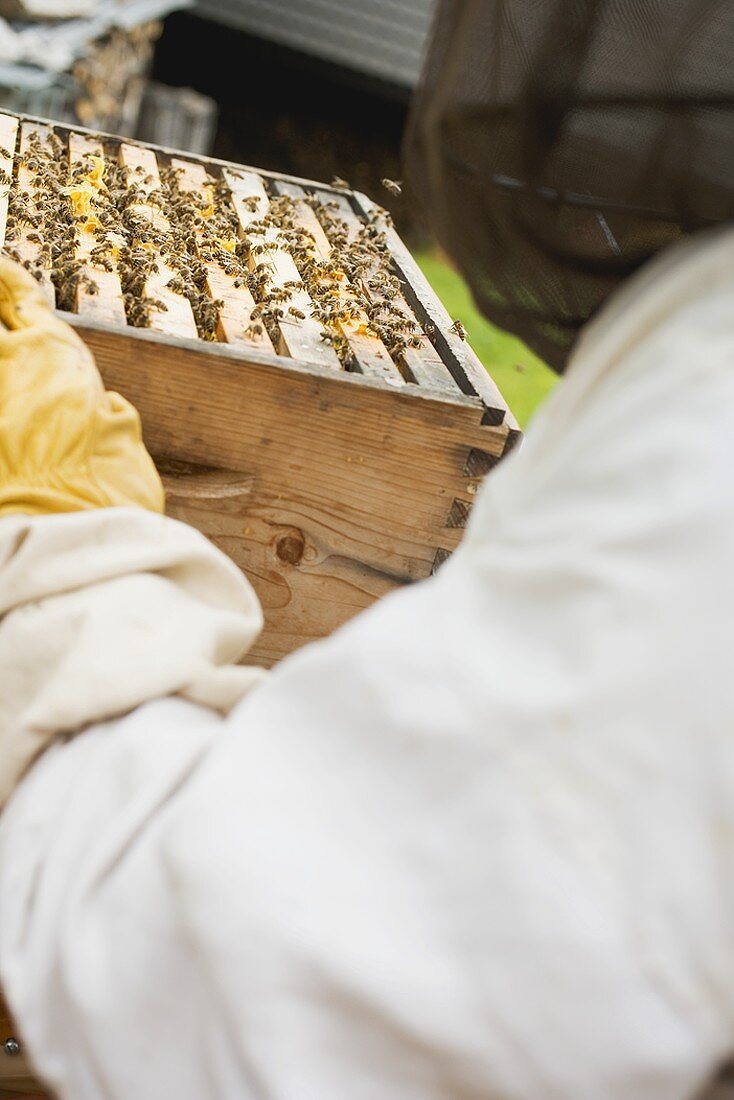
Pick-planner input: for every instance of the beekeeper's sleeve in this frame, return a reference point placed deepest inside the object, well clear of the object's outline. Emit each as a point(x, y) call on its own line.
point(478, 844)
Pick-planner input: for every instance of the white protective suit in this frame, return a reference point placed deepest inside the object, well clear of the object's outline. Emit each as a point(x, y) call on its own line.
point(479, 843)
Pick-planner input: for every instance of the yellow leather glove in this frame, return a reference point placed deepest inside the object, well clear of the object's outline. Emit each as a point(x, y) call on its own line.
point(65, 443)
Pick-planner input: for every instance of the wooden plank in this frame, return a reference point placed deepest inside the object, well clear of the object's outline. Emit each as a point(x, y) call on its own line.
point(8, 138)
point(423, 362)
point(16, 1075)
point(352, 481)
point(431, 311)
point(234, 324)
point(304, 214)
point(23, 1088)
point(27, 238)
point(177, 318)
point(99, 293)
point(301, 337)
point(370, 354)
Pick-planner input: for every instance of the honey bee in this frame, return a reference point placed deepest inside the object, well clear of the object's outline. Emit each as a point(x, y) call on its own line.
point(458, 330)
point(395, 187)
point(339, 184)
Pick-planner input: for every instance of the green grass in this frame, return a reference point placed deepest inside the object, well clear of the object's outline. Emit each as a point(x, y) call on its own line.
point(521, 376)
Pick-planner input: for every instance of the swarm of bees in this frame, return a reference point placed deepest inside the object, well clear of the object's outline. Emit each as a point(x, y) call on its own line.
point(354, 285)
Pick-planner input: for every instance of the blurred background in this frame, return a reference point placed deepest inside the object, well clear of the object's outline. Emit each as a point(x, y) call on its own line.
point(316, 88)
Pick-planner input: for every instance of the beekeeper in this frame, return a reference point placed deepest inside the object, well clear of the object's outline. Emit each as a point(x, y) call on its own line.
point(480, 842)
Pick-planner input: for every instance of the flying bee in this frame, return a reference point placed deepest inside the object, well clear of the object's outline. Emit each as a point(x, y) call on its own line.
point(458, 330)
point(395, 187)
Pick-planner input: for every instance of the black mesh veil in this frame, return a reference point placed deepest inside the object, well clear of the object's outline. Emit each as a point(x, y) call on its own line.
point(558, 144)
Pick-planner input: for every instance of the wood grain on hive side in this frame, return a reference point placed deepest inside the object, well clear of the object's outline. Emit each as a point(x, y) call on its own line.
point(99, 293)
point(23, 1087)
point(8, 138)
point(235, 315)
point(24, 1090)
point(176, 319)
point(351, 481)
point(27, 244)
point(300, 337)
point(370, 354)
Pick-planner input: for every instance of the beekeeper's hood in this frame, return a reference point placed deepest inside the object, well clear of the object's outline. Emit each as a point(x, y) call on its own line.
point(558, 144)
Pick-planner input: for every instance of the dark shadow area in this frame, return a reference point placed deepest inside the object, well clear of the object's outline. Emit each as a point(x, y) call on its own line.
point(285, 111)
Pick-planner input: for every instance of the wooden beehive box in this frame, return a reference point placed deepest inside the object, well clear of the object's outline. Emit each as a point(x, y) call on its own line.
point(315, 413)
